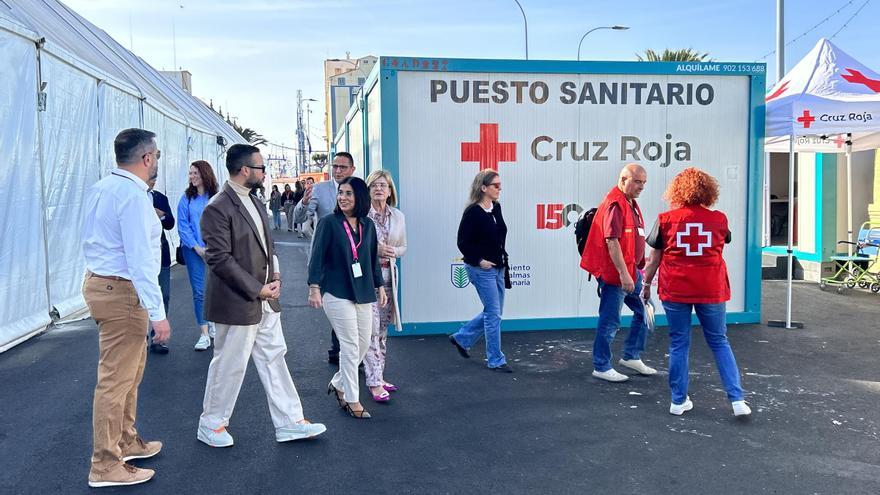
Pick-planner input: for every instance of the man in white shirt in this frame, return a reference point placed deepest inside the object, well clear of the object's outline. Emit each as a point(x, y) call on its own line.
point(318, 202)
point(121, 243)
point(241, 297)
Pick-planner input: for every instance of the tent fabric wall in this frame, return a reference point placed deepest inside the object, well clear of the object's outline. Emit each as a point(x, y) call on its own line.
point(70, 167)
point(94, 89)
point(23, 300)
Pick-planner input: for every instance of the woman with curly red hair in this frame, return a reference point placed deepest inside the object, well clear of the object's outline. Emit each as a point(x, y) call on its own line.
point(688, 242)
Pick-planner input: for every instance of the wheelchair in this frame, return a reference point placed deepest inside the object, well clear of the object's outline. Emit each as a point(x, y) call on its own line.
point(860, 269)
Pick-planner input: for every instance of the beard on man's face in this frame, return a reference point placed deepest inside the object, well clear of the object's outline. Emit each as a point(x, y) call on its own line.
point(253, 180)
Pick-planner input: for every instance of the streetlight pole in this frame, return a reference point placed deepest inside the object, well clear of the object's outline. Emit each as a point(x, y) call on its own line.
point(615, 27)
point(309, 130)
point(526, 24)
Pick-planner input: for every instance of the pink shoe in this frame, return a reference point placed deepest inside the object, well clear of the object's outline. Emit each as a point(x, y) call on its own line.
point(389, 387)
point(383, 397)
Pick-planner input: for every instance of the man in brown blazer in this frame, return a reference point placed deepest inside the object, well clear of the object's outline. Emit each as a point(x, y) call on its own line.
point(241, 298)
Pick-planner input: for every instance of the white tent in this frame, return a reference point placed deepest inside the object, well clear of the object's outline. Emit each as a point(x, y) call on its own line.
point(66, 89)
point(827, 101)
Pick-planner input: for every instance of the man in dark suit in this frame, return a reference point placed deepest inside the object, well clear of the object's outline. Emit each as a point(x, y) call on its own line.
point(241, 298)
point(163, 210)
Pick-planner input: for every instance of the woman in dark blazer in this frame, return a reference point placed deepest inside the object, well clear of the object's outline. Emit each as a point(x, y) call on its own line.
point(482, 234)
point(345, 277)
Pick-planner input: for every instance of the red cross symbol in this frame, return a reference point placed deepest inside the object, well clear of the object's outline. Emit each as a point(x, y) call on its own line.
point(488, 151)
point(839, 141)
point(690, 239)
point(806, 119)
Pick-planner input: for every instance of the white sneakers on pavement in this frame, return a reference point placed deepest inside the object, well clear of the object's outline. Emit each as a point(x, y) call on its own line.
point(638, 365)
point(299, 431)
point(203, 344)
point(215, 438)
point(740, 408)
point(610, 376)
point(679, 409)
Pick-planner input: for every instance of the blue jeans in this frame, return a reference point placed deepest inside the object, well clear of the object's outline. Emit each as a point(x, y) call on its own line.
point(713, 320)
point(276, 219)
point(490, 288)
point(611, 302)
point(195, 267)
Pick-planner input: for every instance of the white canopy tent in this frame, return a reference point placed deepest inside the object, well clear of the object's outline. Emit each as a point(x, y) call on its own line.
point(66, 89)
point(828, 100)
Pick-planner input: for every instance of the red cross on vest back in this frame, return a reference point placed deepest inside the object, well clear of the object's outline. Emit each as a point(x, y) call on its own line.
point(806, 119)
point(693, 239)
point(488, 151)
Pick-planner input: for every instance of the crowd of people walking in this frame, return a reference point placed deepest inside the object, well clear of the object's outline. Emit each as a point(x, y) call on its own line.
point(359, 233)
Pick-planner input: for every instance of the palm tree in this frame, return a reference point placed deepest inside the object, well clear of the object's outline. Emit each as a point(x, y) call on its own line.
point(683, 55)
point(251, 136)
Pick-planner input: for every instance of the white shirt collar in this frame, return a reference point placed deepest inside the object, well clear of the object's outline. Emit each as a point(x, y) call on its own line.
point(125, 173)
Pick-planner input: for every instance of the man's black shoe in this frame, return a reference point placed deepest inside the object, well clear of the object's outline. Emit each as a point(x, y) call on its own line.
point(461, 350)
point(159, 348)
point(504, 368)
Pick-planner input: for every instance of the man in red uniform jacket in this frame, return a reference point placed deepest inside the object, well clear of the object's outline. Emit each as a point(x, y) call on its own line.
point(614, 252)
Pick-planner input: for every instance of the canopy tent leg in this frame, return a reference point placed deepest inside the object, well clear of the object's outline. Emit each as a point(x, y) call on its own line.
point(849, 200)
point(788, 323)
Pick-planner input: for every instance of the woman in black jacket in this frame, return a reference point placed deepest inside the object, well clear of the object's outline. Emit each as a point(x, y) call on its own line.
point(345, 277)
point(481, 238)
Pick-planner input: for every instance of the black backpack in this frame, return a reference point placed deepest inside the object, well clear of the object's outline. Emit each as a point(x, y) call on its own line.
point(582, 228)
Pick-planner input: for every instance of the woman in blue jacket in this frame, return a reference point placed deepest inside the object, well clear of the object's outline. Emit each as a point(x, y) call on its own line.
point(202, 186)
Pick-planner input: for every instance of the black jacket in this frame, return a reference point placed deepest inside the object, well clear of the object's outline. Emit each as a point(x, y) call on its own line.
point(330, 264)
point(482, 235)
point(160, 201)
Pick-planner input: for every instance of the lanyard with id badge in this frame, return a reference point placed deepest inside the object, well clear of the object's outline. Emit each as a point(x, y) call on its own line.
point(356, 266)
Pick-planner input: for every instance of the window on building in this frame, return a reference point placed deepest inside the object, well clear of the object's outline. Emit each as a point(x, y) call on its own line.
point(361, 81)
point(341, 81)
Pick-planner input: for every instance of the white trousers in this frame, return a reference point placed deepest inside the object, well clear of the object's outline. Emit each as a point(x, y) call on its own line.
point(233, 346)
point(353, 324)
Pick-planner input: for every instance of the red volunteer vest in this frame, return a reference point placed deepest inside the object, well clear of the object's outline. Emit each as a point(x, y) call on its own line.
point(692, 269)
point(595, 258)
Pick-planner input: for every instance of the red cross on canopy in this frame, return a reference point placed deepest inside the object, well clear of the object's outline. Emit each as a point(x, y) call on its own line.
point(839, 141)
point(488, 151)
point(806, 119)
point(693, 239)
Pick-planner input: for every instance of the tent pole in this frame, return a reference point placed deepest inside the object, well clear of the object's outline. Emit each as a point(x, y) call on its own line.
point(788, 323)
point(849, 200)
point(790, 229)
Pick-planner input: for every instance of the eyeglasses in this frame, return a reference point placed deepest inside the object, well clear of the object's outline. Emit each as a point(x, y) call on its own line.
point(254, 166)
point(158, 154)
point(496, 185)
point(379, 185)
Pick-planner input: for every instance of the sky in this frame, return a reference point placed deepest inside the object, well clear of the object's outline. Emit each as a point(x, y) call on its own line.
point(251, 56)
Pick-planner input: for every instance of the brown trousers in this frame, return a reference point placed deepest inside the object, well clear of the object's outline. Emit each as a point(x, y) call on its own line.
point(122, 332)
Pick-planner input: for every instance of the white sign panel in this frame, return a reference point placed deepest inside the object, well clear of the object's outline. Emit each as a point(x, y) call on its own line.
point(559, 142)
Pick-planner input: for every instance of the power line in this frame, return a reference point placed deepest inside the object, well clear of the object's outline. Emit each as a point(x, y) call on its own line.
point(823, 21)
point(845, 24)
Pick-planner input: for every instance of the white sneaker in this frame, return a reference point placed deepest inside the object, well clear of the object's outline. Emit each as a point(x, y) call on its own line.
point(611, 375)
point(203, 344)
point(298, 431)
point(212, 330)
point(215, 438)
point(679, 409)
point(638, 365)
point(740, 408)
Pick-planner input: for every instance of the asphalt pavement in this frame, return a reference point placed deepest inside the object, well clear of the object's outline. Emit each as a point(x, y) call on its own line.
point(455, 427)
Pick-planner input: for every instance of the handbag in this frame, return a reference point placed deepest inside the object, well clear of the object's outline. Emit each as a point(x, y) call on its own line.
point(178, 255)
